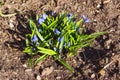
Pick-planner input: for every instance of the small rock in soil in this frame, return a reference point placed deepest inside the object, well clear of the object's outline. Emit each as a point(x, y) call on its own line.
point(108, 43)
point(47, 71)
point(38, 77)
point(93, 75)
point(28, 70)
point(25, 65)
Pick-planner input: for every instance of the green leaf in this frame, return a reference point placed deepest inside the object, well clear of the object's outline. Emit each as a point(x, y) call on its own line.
point(39, 35)
point(28, 39)
point(46, 51)
point(53, 23)
point(28, 50)
point(41, 58)
point(63, 62)
point(61, 45)
point(32, 24)
point(37, 17)
point(79, 23)
point(30, 62)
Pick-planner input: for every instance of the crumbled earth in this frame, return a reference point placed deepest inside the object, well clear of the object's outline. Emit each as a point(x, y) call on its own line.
point(100, 61)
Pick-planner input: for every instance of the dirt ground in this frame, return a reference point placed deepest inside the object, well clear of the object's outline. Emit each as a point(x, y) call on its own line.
point(100, 61)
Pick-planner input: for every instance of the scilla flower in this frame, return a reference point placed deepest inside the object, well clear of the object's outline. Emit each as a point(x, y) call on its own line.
point(86, 20)
point(56, 31)
point(44, 16)
point(42, 19)
point(34, 38)
point(69, 15)
point(60, 39)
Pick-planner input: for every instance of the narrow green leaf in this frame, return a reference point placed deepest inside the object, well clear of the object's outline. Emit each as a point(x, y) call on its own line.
point(63, 62)
point(61, 45)
point(40, 36)
point(37, 17)
point(28, 50)
point(41, 58)
point(32, 24)
point(28, 37)
point(30, 62)
point(53, 23)
point(46, 51)
point(79, 23)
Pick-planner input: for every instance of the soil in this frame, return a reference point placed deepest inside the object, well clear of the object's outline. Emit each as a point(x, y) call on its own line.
point(100, 61)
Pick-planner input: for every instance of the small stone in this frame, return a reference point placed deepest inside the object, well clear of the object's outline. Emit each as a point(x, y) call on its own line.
point(98, 6)
point(106, 1)
point(47, 71)
point(102, 72)
point(38, 77)
point(28, 70)
point(58, 77)
point(108, 43)
point(11, 24)
point(93, 75)
point(24, 65)
point(106, 60)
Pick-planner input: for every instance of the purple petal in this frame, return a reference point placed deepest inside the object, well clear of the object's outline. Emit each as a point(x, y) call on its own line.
point(56, 31)
point(69, 15)
point(60, 39)
point(34, 38)
point(86, 20)
point(40, 21)
point(44, 16)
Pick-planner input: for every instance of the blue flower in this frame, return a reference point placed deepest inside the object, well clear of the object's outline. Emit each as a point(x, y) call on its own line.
point(56, 31)
point(60, 39)
point(86, 20)
point(44, 16)
point(69, 15)
point(34, 38)
point(52, 13)
point(64, 44)
point(40, 20)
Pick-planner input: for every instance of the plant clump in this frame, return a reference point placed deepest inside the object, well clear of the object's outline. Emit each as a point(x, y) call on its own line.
point(53, 34)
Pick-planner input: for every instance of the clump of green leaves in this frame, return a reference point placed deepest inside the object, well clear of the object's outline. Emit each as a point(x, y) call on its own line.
point(53, 34)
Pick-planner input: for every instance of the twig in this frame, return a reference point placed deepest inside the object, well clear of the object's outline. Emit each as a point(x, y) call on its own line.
point(6, 15)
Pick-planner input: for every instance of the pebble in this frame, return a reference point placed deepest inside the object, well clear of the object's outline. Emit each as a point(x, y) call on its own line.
point(58, 77)
point(98, 6)
point(47, 71)
point(11, 24)
point(28, 70)
point(38, 77)
point(106, 1)
point(93, 75)
point(108, 43)
point(25, 65)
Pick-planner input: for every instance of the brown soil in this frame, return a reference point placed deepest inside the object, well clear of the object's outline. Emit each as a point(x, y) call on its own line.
point(88, 63)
